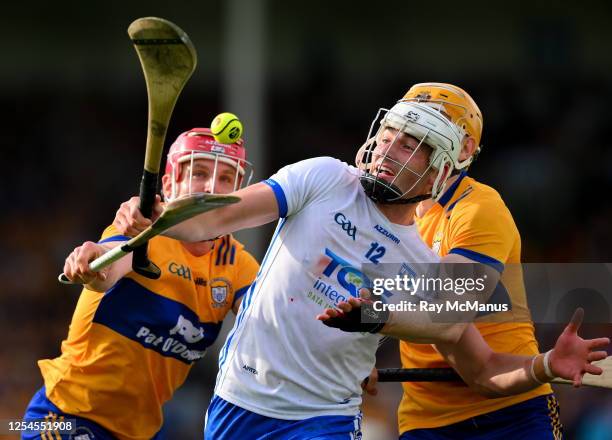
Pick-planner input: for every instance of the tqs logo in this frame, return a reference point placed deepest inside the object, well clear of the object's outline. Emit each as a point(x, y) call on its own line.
point(187, 330)
point(180, 270)
point(350, 279)
point(346, 224)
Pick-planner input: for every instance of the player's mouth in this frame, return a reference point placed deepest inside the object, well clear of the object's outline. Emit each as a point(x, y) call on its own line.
point(384, 172)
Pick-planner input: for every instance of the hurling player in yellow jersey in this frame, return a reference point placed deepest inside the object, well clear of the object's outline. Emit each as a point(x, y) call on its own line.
point(471, 223)
point(132, 340)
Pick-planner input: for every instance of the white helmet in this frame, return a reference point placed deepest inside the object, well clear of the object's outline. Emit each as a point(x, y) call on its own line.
point(429, 125)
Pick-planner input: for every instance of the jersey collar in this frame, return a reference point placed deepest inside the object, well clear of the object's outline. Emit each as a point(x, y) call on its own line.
point(450, 192)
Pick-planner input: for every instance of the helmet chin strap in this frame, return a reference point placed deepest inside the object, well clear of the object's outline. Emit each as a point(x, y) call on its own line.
point(382, 192)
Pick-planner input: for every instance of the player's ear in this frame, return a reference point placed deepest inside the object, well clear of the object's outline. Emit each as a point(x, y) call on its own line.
point(166, 185)
point(468, 149)
point(433, 174)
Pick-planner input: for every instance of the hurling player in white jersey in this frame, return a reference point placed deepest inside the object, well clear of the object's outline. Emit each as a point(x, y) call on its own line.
point(285, 375)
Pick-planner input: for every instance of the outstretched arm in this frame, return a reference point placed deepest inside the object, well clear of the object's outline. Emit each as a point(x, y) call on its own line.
point(257, 206)
point(487, 372)
point(499, 374)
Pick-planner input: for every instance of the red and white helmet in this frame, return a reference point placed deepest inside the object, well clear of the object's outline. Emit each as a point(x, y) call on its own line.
point(199, 143)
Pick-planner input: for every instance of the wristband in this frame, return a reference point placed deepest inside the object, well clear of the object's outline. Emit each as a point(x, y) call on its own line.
point(547, 369)
point(353, 322)
point(532, 370)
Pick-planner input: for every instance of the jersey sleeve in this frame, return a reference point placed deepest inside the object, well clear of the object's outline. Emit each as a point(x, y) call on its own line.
point(301, 183)
point(483, 231)
point(246, 274)
point(111, 234)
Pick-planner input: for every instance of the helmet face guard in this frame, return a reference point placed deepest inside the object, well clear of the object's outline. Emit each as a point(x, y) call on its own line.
point(431, 128)
point(199, 143)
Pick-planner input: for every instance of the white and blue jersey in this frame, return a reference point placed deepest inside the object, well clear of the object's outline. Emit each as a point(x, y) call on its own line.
point(279, 361)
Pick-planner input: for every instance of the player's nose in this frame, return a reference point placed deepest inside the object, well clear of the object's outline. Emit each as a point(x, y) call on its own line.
point(206, 187)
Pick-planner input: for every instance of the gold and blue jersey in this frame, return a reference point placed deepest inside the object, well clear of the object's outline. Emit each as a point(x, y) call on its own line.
point(129, 349)
point(471, 219)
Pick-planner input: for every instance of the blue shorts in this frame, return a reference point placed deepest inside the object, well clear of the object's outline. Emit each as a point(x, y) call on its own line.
point(533, 419)
point(226, 421)
point(41, 408)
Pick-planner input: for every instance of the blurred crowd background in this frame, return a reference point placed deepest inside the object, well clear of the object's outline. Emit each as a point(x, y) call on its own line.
point(306, 78)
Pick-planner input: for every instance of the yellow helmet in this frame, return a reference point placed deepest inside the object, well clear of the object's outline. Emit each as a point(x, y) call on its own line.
point(454, 102)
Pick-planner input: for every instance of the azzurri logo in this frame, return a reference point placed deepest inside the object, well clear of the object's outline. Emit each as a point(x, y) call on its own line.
point(387, 234)
point(346, 224)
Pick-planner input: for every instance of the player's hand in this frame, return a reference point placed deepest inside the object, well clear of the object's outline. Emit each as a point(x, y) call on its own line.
point(341, 316)
point(572, 356)
point(347, 316)
point(369, 383)
point(76, 266)
point(130, 222)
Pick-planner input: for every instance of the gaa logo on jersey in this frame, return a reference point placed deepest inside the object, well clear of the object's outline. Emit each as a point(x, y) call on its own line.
point(219, 290)
point(346, 224)
point(180, 270)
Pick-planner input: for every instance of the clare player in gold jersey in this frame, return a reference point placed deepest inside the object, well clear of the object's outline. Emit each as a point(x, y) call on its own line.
point(470, 223)
point(132, 340)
